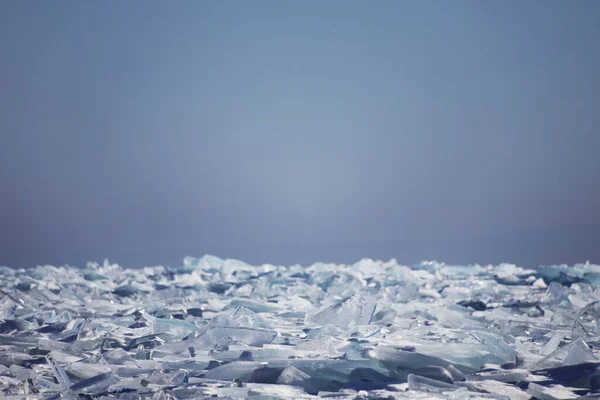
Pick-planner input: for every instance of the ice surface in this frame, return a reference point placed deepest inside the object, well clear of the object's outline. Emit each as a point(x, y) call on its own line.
point(227, 329)
point(550, 393)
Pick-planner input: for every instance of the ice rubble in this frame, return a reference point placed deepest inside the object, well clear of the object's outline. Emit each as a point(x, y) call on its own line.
point(370, 330)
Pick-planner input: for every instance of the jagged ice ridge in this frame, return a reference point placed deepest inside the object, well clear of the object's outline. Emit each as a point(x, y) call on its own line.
point(372, 330)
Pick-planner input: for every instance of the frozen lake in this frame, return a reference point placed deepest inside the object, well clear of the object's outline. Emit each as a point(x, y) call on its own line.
point(374, 329)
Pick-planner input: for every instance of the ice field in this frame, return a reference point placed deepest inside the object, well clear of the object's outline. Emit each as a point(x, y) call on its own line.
point(372, 330)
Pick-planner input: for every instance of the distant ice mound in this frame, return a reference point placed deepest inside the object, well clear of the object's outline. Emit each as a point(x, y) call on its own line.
point(372, 330)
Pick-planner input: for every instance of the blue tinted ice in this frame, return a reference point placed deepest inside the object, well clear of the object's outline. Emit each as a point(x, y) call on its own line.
point(354, 310)
point(374, 329)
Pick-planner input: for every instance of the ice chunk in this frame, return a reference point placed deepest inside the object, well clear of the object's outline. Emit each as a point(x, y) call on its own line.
point(234, 370)
point(7, 308)
point(575, 352)
point(176, 328)
point(470, 349)
point(355, 310)
point(292, 376)
point(423, 384)
point(265, 391)
point(251, 305)
point(500, 388)
point(456, 374)
point(206, 263)
point(174, 378)
point(249, 336)
point(59, 373)
point(587, 323)
point(435, 372)
point(556, 392)
point(395, 358)
point(84, 371)
point(557, 295)
point(265, 374)
point(126, 291)
point(511, 375)
point(140, 352)
point(539, 284)
point(117, 357)
point(368, 375)
point(95, 384)
point(552, 344)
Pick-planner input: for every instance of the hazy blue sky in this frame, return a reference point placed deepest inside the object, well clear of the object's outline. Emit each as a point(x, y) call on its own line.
point(288, 131)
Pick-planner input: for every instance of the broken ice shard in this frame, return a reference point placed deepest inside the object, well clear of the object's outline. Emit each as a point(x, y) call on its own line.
point(176, 328)
point(587, 323)
point(59, 373)
point(95, 384)
point(576, 352)
point(356, 310)
point(423, 384)
point(556, 392)
point(292, 375)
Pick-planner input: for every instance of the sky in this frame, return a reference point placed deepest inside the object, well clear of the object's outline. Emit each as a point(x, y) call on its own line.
point(291, 132)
